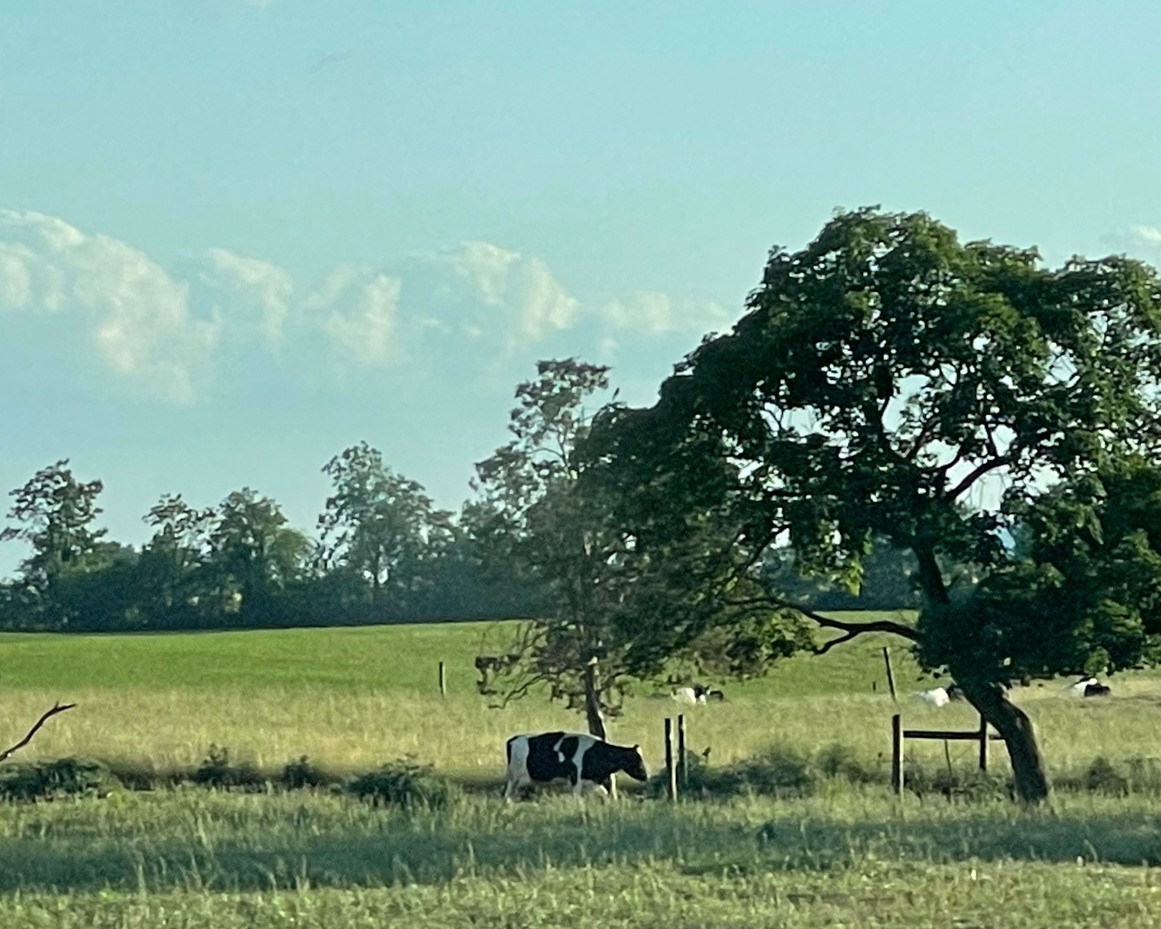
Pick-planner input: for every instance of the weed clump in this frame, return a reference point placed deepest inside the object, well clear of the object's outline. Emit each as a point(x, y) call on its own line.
point(300, 774)
point(53, 780)
point(217, 771)
point(405, 783)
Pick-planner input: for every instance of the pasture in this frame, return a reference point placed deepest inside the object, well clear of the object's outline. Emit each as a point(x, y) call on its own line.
point(352, 699)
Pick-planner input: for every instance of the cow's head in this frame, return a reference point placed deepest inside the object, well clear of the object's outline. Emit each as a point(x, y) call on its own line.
point(635, 764)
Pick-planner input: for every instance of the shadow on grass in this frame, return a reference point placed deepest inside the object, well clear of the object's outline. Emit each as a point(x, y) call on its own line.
point(430, 848)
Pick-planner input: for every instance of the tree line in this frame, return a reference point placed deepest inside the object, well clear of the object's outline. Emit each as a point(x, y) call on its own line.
point(382, 552)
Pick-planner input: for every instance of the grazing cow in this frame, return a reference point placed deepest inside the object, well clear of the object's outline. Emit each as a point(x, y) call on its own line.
point(937, 696)
point(696, 694)
point(583, 759)
point(1096, 689)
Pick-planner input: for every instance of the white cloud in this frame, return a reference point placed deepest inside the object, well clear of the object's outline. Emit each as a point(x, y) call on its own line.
point(168, 332)
point(1141, 241)
point(137, 315)
point(250, 282)
point(656, 312)
point(356, 312)
point(488, 292)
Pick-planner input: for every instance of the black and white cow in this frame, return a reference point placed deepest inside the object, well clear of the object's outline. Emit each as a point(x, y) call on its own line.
point(583, 759)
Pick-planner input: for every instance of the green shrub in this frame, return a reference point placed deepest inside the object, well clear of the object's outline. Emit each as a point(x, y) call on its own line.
point(51, 780)
point(838, 761)
point(300, 773)
point(406, 783)
point(774, 773)
point(1102, 777)
point(216, 771)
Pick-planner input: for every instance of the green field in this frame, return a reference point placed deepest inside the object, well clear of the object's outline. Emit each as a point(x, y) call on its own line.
point(352, 699)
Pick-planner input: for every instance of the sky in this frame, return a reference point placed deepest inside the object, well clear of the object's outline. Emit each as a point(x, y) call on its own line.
point(238, 236)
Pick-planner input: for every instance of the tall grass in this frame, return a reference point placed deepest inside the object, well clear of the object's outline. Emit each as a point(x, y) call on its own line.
point(353, 699)
point(192, 857)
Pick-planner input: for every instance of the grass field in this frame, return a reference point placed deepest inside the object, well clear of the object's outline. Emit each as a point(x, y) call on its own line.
point(354, 698)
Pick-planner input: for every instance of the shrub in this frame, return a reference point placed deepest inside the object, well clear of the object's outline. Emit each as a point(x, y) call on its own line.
point(774, 773)
point(216, 771)
point(301, 773)
point(838, 761)
point(406, 783)
point(1102, 777)
point(51, 780)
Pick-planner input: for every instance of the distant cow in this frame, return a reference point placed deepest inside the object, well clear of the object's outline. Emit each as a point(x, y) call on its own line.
point(1088, 687)
point(937, 696)
point(582, 759)
point(696, 693)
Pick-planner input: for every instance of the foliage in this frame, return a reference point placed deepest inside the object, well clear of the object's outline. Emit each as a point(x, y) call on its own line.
point(889, 384)
point(379, 526)
point(405, 783)
point(55, 512)
point(53, 780)
point(217, 771)
point(300, 774)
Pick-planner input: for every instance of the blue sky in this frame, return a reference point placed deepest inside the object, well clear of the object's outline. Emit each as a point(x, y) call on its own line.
point(238, 236)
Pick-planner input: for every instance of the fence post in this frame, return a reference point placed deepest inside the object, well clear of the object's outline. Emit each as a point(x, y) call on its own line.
point(983, 743)
point(897, 753)
point(682, 770)
point(670, 767)
point(442, 681)
point(890, 676)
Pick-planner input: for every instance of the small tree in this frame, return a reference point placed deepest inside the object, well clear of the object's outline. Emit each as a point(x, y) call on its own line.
point(890, 382)
point(531, 517)
point(617, 603)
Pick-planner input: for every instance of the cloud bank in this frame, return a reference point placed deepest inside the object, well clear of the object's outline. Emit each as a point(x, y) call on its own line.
point(169, 333)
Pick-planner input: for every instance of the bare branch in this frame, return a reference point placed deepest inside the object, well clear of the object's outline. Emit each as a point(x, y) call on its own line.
point(850, 630)
point(57, 708)
point(977, 473)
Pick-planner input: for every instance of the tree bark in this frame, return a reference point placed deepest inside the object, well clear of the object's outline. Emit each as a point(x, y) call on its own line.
point(1015, 728)
point(593, 715)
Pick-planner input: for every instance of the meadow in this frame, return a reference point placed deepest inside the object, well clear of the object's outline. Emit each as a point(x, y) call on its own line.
point(351, 699)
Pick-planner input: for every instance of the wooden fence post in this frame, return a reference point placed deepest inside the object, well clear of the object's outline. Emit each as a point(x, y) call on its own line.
point(442, 681)
point(890, 676)
point(682, 769)
point(897, 753)
point(983, 743)
point(670, 767)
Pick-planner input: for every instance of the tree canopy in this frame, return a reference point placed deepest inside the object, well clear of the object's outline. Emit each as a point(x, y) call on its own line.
point(890, 382)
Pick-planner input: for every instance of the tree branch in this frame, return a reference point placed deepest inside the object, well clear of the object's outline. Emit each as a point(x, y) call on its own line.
point(57, 708)
point(977, 473)
point(849, 630)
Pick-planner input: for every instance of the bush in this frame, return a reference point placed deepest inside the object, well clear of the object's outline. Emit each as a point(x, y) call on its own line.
point(1102, 777)
point(775, 773)
point(839, 762)
point(51, 780)
point(216, 771)
point(406, 783)
point(300, 773)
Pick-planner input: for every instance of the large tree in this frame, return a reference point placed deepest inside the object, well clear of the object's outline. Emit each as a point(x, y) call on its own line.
point(253, 555)
point(54, 513)
point(889, 382)
point(379, 526)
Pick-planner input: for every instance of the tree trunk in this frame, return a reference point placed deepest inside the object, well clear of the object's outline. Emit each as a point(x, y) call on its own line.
point(593, 715)
point(596, 719)
point(1015, 728)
